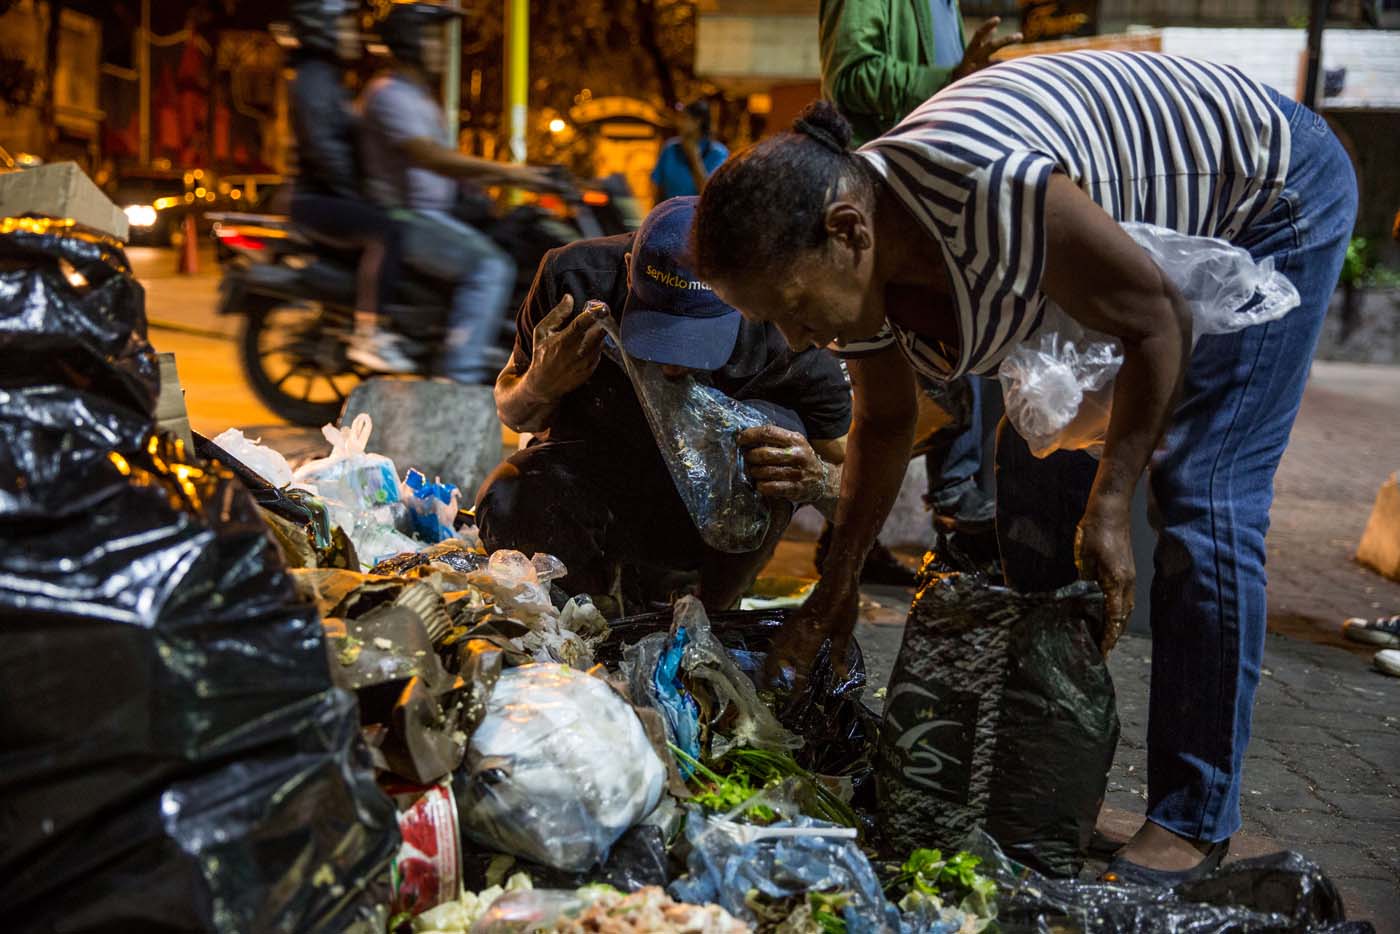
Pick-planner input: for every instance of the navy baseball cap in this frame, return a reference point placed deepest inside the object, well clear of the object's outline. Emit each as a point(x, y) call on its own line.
point(670, 315)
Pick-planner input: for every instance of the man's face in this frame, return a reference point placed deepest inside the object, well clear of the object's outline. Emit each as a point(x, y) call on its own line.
point(434, 50)
point(347, 38)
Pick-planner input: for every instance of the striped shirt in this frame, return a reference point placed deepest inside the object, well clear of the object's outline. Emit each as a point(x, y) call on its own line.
point(1192, 146)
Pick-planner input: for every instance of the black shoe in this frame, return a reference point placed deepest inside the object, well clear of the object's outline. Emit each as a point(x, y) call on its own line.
point(971, 511)
point(1125, 872)
point(881, 566)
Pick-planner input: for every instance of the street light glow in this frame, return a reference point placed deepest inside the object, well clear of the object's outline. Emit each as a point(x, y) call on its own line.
point(140, 215)
point(557, 125)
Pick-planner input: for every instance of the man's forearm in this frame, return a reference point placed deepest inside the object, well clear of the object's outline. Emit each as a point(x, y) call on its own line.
point(440, 159)
point(831, 492)
point(520, 406)
point(877, 456)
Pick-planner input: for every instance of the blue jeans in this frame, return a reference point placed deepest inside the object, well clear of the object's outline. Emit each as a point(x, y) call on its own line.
point(436, 243)
point(954, 454)
point(1211, 486)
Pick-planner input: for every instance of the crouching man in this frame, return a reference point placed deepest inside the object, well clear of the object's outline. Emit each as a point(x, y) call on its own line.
point(592, 488)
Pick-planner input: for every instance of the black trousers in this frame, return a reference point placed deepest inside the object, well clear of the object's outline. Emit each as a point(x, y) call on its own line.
point(597, 510)
point(352, 224)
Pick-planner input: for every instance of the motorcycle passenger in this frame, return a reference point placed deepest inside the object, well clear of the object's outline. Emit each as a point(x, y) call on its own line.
point(414, 170)
point(328, 199)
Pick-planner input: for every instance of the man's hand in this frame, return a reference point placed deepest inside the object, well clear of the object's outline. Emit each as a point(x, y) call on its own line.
point(979, 51)
point(1103, 551)
point(782, 465)
point(565, 355)
point(531, 177)
point(830, 613)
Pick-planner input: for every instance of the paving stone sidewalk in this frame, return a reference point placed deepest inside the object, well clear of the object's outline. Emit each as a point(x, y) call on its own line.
point(1322, 775)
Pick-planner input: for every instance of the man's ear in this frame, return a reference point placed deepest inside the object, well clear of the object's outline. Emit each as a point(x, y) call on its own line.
point(847, 223)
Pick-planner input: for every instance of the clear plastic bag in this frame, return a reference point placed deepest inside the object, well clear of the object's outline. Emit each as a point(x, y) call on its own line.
point(1058, 384)
point(558, 769)
point(520, 585)
point(707, 661)
point(697, 431)
point(257, 457)
point(361, 493)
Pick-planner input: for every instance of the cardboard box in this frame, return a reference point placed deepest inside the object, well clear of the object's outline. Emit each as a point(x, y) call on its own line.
point(61, 190)
point(171, 414)
point(1380, 543)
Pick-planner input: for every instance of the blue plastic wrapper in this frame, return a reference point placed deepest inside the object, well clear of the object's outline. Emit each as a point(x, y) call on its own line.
point(723, 870)
point(427, 505)
point(653, 670)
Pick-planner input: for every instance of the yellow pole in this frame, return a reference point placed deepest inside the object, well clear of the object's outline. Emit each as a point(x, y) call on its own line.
point(517, 100)
point(452, 77)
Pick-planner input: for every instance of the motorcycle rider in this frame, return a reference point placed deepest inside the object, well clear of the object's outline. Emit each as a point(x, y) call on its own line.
point(327, 198)
point(413, 169)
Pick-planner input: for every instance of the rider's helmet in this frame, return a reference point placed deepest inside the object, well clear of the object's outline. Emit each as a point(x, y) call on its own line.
point(402, 27)
point(317, 24)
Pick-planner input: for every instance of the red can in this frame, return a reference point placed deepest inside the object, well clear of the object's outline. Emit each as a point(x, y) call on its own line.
point(428, 869)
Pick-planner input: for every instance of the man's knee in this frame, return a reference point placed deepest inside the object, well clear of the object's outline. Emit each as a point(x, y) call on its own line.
point(499, 504)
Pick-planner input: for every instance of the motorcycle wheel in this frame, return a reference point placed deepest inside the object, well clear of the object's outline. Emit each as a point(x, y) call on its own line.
point(294, 358)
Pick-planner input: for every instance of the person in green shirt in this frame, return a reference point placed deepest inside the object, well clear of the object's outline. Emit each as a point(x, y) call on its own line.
point(880, 60)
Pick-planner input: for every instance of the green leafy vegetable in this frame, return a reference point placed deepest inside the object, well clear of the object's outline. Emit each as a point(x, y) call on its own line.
point(954, 880)
point(827, 909)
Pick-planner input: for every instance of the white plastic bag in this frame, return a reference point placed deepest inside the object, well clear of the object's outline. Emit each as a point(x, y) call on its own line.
point(349, 475)
point(361, 493)
point(1058, 384)
point(558, 769)
point(256, 456)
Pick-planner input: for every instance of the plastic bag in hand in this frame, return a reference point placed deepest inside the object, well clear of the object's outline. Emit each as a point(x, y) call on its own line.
point(1058, 384)
point(558, 769)
point(697, 431)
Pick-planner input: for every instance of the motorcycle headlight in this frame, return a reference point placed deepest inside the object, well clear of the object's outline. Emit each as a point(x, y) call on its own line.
point(140, 215)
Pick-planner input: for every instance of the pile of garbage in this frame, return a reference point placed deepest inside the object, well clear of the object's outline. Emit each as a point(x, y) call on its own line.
point(265, 697)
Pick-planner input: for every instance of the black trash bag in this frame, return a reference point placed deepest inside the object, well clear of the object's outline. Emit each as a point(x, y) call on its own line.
point(451, 555)
point(176, 721)
point(1000, 715)
point(838, 730)
point(72, 315)
point(1283, 892)
point(175, 755)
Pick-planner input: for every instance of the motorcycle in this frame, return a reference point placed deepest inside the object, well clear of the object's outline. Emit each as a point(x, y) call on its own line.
point(296, 293)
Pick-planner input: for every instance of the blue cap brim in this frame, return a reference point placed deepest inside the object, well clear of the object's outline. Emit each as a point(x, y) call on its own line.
point(695, 343)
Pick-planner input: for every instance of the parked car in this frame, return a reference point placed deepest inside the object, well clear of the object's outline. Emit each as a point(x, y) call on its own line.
point(155, 202)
